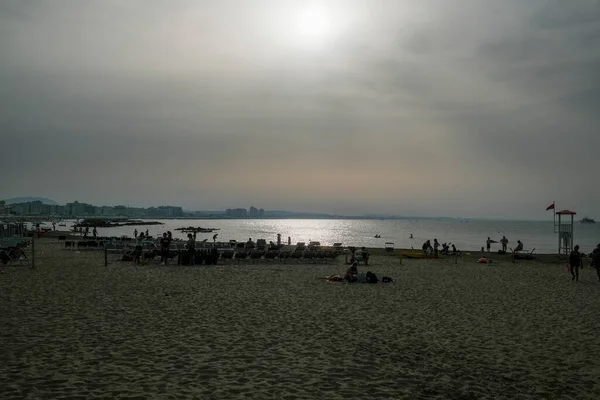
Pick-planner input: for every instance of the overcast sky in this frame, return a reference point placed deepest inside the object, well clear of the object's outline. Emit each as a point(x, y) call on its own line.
point(466, 108)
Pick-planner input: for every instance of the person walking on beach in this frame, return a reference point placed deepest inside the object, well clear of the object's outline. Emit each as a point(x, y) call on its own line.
point(575, 263)
point(94, 233)
point(436, 246)
point(596, 260)
point(488, 244)
point(504, 242)
point(135, 233)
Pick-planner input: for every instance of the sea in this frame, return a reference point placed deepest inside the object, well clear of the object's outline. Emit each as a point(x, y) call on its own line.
point(466, 234)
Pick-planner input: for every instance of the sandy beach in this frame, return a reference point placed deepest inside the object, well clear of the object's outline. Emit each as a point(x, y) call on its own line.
point(73, 328)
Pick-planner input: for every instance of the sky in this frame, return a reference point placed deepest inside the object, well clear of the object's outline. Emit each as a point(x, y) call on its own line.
point(465, 108)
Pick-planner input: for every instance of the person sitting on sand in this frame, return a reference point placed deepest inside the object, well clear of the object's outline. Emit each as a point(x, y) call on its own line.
point(352, 272)
point(249, 244)
point(519, 246)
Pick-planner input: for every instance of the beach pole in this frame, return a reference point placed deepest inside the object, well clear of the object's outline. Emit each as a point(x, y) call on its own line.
point(33, 251)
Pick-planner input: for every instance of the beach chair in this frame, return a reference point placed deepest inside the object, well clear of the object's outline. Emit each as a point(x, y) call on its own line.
point(284, 255)
point(296, 255)
point(227, 255)
point(523, 254)
point(255, 255)
point(308, 256)
point(389, 248)
point(13, 254)
point(271, 255)
point(240, 256)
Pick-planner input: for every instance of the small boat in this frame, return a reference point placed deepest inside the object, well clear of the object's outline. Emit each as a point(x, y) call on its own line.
point(587, 220)
point(419, 255)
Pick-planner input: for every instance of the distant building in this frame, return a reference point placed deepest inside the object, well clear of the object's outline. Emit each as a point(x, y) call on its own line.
point(236, 213)
point(77, 209)
point(253, 212)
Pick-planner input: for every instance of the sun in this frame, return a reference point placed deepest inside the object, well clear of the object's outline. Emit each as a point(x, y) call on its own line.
point(314, 24)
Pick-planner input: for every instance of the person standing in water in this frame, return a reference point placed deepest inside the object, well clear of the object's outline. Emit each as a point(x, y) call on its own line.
point(575, 263)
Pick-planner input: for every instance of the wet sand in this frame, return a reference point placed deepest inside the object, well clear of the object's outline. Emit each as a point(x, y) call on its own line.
point(73, 328)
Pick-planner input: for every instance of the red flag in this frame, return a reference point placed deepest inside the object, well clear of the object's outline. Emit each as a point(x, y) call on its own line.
point(550, 207)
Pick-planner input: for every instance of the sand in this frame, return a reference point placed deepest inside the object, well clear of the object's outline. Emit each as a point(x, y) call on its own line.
point(73, 328)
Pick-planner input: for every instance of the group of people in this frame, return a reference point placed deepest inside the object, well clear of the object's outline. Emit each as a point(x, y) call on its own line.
point(352, 276)
point(503, 243)
point(141, 236)
point(576, 262)
point(434, 249)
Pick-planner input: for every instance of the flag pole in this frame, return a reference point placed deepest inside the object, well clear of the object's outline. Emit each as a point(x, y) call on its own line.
point(554, 212)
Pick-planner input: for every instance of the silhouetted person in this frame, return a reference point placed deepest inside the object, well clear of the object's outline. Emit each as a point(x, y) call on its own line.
point(504, 242)
point(596, 260)
point(135, 233)
point(165, 243)
point(191, 247)
point(519, 246)
point(436, 246)
point(364, 255)
point(575, 262)
point(94, 233)
point(488, 244)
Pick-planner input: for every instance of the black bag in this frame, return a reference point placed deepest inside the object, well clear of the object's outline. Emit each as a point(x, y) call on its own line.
point(371, 277)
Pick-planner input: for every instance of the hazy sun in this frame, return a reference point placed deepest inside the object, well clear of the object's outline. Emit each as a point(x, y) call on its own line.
point(314, 24)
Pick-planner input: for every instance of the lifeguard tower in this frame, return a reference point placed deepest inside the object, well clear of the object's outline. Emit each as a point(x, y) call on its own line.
point(565, 232)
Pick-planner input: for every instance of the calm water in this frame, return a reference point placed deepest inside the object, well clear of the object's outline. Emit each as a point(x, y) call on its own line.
point(465, 234)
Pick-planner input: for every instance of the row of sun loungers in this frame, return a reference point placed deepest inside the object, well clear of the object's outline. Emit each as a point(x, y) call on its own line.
point(227, 254)
point(283, 256)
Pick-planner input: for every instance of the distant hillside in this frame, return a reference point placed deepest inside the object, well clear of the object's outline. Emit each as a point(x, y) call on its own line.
point(44, 200)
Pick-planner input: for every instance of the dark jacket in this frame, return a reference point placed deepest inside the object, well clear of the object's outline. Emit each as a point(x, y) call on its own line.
point(575, 258)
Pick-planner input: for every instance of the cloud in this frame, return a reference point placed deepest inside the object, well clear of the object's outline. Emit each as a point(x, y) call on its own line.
point(478, 107)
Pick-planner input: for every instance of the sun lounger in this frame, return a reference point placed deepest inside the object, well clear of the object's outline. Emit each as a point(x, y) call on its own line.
point(523, 254)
